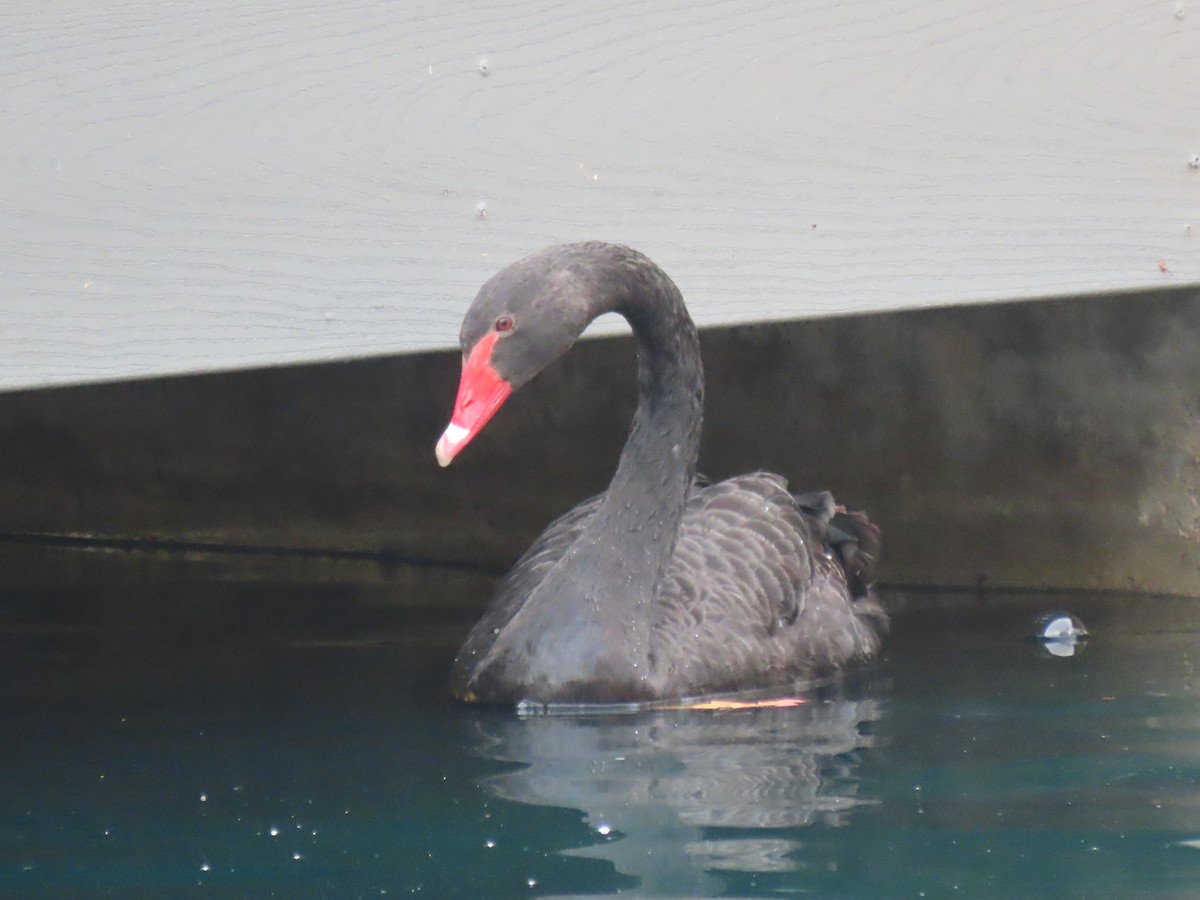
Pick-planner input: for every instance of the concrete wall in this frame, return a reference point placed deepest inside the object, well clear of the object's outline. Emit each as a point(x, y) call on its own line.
point(188, 187)
point(1049, 443)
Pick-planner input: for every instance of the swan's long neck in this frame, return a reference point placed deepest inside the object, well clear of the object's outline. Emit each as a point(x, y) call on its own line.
point(633, 532)
point(586, 629)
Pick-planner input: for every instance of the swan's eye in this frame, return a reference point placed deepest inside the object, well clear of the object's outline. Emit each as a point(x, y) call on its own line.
point(504, 323)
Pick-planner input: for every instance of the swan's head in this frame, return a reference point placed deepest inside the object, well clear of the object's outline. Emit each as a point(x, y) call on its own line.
point(523, 318)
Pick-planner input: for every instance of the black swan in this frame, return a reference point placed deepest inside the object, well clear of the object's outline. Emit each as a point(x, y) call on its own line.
point(663, 586)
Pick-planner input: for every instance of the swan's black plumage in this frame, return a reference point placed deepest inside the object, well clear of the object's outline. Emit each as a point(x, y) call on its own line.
point(663, 586)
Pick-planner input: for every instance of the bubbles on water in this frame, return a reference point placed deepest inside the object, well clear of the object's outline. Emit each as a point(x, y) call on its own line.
point(1060, 633)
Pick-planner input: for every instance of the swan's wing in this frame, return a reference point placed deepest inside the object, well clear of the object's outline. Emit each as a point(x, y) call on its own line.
point(743, 553)
point(517, 585)
point(757, 590)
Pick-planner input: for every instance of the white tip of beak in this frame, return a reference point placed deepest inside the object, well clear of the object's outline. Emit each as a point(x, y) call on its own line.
point(449, 443)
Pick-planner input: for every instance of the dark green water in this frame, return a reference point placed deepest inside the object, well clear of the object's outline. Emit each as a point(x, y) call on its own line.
point(245, 741)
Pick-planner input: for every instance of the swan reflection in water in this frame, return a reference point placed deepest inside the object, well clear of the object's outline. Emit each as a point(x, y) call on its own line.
point(653, 786)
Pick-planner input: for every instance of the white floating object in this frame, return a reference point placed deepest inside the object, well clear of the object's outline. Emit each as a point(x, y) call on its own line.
point(1060, 633)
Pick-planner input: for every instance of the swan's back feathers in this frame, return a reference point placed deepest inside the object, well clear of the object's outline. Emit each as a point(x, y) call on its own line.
point(756, 592)
point(743, 540)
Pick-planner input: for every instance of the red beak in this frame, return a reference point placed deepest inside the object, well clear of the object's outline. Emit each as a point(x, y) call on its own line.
point(480, 393)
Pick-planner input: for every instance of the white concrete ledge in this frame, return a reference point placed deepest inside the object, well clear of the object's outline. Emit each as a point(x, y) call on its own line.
point(188, 188)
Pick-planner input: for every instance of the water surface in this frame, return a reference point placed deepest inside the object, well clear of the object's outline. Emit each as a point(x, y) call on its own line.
point(249, 740)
